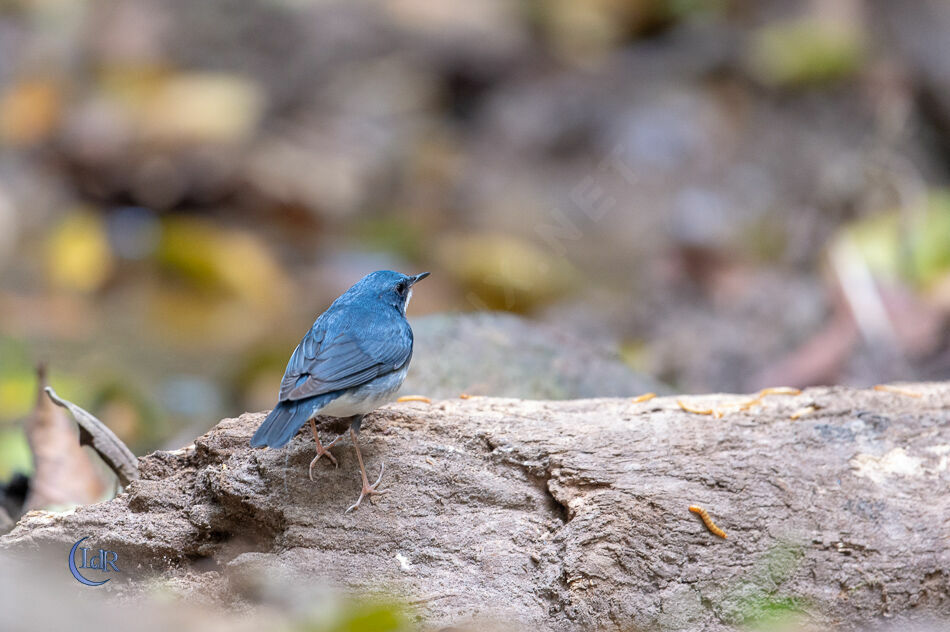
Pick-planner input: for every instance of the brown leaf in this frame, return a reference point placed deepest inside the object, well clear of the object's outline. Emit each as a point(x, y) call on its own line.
point(63, 472)
point(97, 435)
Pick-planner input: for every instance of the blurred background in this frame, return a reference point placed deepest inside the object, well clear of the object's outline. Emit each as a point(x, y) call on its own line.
point(681, 195)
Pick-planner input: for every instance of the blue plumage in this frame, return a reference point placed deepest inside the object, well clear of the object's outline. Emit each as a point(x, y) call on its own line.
point(352, 360)
point(285, 420)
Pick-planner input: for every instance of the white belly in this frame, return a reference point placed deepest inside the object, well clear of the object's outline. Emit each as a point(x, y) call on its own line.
point(366, 398)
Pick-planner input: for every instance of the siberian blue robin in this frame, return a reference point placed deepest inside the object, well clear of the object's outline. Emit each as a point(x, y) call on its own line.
point(351, 362)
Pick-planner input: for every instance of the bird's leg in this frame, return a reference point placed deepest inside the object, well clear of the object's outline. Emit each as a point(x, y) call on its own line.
point(368, 490)
point(321, 449)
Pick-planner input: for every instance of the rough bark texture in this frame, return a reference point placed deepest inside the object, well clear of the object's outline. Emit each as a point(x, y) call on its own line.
point(566, 515)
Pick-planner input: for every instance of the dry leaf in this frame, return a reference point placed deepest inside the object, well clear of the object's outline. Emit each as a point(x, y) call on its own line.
point(97, 435)
point(63, 473)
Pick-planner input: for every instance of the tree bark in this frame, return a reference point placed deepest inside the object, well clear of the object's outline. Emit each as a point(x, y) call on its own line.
point(565, 515)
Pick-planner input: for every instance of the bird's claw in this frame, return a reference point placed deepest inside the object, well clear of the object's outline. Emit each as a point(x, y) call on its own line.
point(369, 490)
point(317, 458)
point(321, 450)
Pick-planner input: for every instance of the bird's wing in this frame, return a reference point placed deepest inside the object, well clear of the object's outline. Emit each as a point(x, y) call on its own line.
point(360, 350)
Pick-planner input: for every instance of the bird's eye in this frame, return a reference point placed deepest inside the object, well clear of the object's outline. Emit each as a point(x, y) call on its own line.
point(401, 287)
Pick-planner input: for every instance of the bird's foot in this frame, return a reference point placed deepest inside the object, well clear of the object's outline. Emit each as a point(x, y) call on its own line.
point(321, 450)
point(368, 490)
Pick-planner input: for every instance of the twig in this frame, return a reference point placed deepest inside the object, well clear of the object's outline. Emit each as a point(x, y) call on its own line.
point(414, 398)
point(887, 388)
point(801, 412)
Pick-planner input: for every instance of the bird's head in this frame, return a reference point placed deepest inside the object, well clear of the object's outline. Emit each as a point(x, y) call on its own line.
point(392, 288)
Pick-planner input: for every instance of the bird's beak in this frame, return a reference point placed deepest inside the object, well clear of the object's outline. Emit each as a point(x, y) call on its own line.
point(415, 279)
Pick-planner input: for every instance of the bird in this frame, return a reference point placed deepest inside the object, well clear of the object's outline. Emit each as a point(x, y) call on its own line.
point(352, 361)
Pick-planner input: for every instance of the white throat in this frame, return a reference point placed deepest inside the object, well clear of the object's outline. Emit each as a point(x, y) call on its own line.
point(405, 305)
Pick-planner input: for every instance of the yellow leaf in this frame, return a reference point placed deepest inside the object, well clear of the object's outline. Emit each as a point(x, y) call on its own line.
point(216, 257)
point(504, 272)
point(78, 254)
point(807, 50)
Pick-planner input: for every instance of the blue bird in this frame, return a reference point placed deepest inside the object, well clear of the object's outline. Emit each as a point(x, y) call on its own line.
point(351, 362)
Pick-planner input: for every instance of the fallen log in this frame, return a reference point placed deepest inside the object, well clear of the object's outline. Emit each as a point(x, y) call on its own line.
point(565, 515)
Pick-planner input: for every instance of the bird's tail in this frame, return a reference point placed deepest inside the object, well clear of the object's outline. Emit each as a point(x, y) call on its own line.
point(282, 423)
